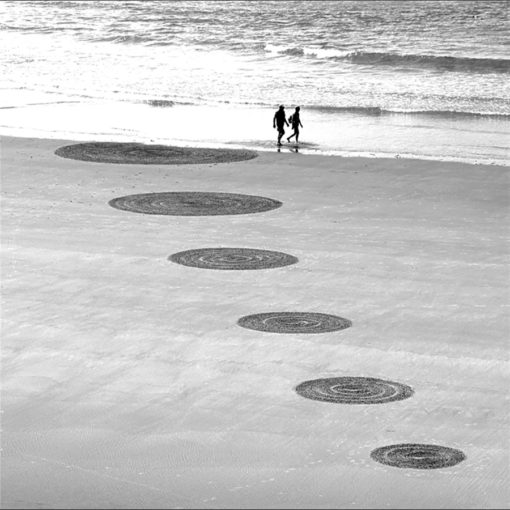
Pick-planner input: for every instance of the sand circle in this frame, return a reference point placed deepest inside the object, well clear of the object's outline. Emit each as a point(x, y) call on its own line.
point(141, 154)
point(194, 203)
point(232, 258)
point(354, 390)
point(417, 456)
point(294, 322)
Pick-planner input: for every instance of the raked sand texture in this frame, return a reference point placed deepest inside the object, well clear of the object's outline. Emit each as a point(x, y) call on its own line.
point(127, 382)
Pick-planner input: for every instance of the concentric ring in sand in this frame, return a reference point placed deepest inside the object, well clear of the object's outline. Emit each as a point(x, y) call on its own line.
point(294, 322)
point(194, 203)
point(232, 258)
point(417, 456)
point(354, 390)
point(141, 154)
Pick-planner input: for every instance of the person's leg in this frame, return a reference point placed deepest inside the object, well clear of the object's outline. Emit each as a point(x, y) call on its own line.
point(280, 134)
point(296, 132)
point(291, 136)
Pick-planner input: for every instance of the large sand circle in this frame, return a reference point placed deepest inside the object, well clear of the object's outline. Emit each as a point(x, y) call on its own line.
point(194, 203)
point(417, 456)
point(354, 390)
point(141, 154)
point(294, 322)
point(232, 258)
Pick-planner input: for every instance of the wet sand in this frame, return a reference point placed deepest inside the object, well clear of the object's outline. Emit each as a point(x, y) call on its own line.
point(127, 382)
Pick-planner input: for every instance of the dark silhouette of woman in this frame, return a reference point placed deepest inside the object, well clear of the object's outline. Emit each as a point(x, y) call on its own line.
point(296, 122)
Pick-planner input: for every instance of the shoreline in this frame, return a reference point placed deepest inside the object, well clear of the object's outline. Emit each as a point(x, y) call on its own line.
point(127, 380)
point(345, 134)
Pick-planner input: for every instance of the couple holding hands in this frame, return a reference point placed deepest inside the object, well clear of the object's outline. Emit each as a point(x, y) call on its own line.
point(279, 121)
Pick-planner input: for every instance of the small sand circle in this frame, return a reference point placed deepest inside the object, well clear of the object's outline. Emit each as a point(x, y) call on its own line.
point(294, 322)
point(194, 203)
point(142, 154)
point(417, 456)
point(354, 390)
point(232, 258)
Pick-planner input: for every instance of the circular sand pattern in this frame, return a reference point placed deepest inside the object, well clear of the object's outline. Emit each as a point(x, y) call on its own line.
point(193, 203)
point(232, 258)
point(294, 322)
point(141, 154)
point(417, 456)
point(354, 390)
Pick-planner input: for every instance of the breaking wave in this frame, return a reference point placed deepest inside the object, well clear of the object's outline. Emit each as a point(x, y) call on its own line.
point(444, 63)
point(438, 62)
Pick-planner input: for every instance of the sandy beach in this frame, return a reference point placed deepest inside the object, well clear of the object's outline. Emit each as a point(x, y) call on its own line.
point(127, 382)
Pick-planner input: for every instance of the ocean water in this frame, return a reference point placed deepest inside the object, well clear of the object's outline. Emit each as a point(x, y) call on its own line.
point(427, 79)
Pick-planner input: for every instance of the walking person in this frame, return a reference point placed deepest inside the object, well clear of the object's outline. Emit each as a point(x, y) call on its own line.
point(295, 120)
point(278, 122)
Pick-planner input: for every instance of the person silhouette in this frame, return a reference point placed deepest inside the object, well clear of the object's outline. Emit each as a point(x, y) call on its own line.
point(295, 120)
point(278, 122)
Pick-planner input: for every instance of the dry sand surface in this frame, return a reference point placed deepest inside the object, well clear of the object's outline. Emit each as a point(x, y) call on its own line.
point(128, 383)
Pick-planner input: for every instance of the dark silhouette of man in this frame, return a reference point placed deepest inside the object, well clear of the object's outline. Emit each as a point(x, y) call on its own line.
point(296, 122)
point(279, 121)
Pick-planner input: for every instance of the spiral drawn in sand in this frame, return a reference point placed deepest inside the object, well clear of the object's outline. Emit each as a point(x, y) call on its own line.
point(294, 322)
point(193, 203)
point(232, 258)
point(354, 390)
point(141, 154)
point(417, 456)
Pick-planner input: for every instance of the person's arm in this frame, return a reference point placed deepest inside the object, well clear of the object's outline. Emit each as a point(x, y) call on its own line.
point(274, 121)
point(300, 123)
